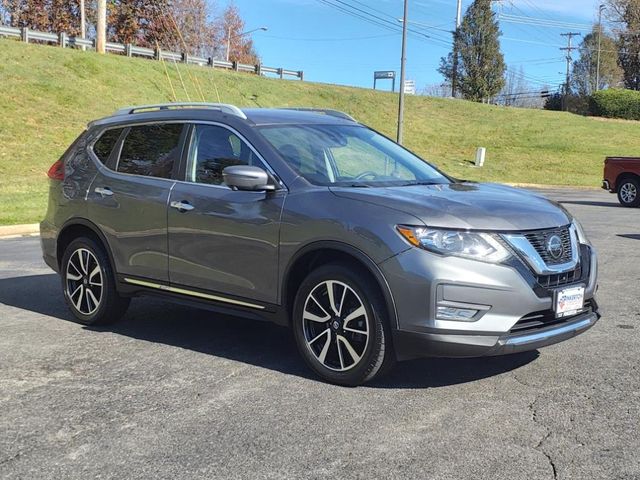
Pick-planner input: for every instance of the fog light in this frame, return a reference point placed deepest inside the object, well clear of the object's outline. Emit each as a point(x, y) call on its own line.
point(456, 314)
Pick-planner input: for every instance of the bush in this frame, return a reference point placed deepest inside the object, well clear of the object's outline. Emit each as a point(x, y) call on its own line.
point(616, 103)
point(554, 102)
point(575, 103)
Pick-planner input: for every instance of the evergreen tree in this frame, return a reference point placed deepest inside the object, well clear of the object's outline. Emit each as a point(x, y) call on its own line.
point(626, 13)
point(585, 68)
point(629, 45)
point(481, 66)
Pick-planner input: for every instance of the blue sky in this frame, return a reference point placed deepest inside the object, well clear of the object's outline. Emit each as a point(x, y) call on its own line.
point(333, 47)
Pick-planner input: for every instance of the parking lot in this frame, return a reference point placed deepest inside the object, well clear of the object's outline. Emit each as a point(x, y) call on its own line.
point(174, 392)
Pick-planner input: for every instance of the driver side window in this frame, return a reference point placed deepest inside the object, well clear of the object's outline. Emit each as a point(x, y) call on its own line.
point(212, 149)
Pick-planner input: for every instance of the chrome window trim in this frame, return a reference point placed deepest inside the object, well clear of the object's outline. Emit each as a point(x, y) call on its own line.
point(110, 171)
point(279, 181)
point(523, 247)
point(192, 293)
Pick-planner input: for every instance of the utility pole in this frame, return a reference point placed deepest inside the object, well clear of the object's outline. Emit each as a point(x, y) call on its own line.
point(83, 23)
point(569, 48)
point(228, 42)
point(600, 10)
point(403, 62)
point(454, 74)
point(101, 28)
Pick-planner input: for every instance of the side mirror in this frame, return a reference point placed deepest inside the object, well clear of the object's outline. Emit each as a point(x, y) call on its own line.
point(246, 177)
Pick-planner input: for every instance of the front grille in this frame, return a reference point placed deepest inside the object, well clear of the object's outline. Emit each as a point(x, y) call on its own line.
point(538, 241)
point(560, 279)
point(546, 318)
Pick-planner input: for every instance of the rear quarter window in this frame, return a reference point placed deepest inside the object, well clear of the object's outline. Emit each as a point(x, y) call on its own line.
point(104, 146)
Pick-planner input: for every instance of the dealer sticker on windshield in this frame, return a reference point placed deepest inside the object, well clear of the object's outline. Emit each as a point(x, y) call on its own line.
point(569, 301)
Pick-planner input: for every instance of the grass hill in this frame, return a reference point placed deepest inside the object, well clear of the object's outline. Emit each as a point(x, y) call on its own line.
point(48, 94)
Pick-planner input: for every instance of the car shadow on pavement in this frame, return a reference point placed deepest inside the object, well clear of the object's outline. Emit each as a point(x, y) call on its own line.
point(249, 341)
point(631, 236)
point(590, 203)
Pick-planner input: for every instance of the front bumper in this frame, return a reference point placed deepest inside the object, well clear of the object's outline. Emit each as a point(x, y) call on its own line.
point(413, 345)
point(505, 295)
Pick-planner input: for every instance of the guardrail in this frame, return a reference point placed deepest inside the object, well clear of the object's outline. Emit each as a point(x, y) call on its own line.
point(64, 41)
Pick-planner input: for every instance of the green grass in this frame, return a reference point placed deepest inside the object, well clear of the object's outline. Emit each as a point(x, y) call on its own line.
point(49, 94)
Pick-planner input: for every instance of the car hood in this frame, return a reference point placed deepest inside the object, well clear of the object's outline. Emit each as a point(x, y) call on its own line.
point(466, 205)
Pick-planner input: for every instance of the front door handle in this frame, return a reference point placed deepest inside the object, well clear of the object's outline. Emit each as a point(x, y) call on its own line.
point(104, 191)
point(182, 206)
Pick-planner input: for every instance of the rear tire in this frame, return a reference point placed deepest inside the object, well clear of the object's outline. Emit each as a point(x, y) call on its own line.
point(89, 284)
point(629, 192)
point(340, 325)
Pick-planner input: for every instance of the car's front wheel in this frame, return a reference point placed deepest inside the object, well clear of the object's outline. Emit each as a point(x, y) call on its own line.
point(340, 325)
point(629, 192)
point(89, 284)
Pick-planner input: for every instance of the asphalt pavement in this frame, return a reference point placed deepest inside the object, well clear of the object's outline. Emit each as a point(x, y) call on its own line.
point(175, 392)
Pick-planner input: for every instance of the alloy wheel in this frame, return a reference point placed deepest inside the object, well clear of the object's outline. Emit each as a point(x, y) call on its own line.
point(628, 193)
point(84, 281)
point(335, 325)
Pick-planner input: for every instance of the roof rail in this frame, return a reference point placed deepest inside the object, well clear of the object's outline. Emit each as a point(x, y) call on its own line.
point(326, 111)
point(222, 107)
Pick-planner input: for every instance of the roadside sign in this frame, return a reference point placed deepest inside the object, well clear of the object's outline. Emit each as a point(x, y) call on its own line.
point(410, 87)
point(385, 75)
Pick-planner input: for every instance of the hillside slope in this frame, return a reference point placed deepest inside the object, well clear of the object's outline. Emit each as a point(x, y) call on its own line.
point(49, 94)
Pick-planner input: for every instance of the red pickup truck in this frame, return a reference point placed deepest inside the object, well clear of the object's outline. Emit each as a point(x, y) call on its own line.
point(622, 176)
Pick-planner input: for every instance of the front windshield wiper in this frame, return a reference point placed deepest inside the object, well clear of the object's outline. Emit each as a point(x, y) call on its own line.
point(357, 185)
point(413, 184)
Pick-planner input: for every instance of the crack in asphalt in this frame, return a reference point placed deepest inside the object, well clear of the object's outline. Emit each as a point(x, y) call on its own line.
point(10, 459)
point(538, 447)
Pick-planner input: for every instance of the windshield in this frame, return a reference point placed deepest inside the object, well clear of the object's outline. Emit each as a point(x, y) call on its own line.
point(346, 155)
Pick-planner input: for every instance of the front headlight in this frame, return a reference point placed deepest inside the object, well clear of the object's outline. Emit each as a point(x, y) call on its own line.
point(582, 237)
point(475, 245)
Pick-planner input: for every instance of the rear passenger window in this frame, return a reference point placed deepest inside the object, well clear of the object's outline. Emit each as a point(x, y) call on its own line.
point(212, 149)
point(103, 147)
point(151, 150)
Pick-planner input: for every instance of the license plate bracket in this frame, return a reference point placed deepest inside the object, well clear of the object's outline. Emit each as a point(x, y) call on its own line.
point(568, 301)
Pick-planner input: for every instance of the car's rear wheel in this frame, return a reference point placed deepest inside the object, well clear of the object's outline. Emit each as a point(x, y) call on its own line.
point(88, 283)
point(340, 325)
point(629, 192)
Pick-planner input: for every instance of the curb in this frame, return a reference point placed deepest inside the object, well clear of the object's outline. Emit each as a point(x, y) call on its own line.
point(553, 187)
point(12, 231)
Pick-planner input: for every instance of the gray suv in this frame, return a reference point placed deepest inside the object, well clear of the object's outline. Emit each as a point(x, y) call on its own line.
point(309, 219)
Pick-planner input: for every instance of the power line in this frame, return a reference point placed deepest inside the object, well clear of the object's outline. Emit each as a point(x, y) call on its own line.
point(334, 39)
point(540, 33)
point(542, 23)
point(375, 19)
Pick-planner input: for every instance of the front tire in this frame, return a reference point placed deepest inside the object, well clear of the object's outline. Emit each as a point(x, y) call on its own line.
point(89, 284)
point(629, 192)
point(340, 325)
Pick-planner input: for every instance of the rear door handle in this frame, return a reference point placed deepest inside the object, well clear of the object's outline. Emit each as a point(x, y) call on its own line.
point(182, 206)
point(104, 191)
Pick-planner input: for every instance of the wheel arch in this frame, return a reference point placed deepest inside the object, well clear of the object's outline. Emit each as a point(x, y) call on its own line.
point(322, 252)
point(624, 175)
point(77, 227)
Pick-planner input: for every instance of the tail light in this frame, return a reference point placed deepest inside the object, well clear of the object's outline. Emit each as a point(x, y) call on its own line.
point(56, 172)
